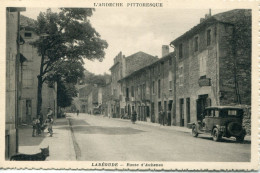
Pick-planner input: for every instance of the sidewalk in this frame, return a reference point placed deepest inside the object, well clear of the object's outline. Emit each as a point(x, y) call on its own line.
point(175, 128)
point(60, 145)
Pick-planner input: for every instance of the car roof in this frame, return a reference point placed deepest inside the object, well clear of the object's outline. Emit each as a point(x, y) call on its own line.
point(223, 107)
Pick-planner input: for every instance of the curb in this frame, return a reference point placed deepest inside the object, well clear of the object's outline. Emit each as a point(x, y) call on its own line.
point(71, 142)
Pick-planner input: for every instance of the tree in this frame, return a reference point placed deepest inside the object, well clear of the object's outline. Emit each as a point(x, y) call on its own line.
point(66, 38)
point(91, 78)
point(65, 94)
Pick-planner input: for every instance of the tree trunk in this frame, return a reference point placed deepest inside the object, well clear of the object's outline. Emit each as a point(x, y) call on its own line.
point(39, 96)
point(39, 91)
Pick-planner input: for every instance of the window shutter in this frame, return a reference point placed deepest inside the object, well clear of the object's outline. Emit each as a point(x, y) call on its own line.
point(208, 102)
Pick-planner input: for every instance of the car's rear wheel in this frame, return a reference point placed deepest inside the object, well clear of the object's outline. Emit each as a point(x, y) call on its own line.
point(194, 132)
point(240, 138)
point(216, 135)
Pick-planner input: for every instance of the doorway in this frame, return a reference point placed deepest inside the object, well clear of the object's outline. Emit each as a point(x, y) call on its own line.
point(202, 102)
point(169, 118)
point(152, 112)
point(28, 111)
point(188, 110)
point(129, 111)
point(181, 112)
point(159, 109)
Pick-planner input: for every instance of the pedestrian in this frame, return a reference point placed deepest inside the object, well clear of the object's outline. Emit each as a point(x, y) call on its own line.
point(160, 117)
point(77, 112)
point(134, 117)
point(49, 123)
point(35, 123)
point(38, 126)
point(50, 112)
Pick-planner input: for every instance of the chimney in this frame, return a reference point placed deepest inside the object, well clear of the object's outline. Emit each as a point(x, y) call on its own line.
point(165, 50)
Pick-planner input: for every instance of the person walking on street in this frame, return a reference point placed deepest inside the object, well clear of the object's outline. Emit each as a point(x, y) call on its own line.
point(160, 117)
point(49, 123)
point(77, 112)
point(50, 112)
point(35, 124)
point(134, 114)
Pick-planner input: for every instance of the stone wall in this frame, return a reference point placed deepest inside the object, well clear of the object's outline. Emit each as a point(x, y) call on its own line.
point(235, 58)
point(188, 88)
point(247, 118)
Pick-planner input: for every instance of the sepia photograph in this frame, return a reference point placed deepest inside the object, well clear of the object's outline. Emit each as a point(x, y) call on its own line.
point(128, 85)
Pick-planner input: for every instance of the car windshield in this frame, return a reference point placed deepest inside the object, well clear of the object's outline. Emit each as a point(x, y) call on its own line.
point(231, 112)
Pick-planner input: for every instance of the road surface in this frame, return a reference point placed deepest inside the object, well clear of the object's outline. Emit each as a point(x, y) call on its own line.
point(98, 138)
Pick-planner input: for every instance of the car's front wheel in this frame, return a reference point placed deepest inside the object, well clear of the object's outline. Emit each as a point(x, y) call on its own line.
point(216, 135)
point(240, 138)
point(194, 132)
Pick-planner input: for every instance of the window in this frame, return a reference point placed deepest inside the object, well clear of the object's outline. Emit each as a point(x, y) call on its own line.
point(203, 65)
point(170, 61)
point(170, 80)
point(159, 88)
point(144, 87)
point(208, 37)
point(170, 85)
point(180, 51)
point(132, 91)
point(27, 34)
point(27, 78)
point(127, 93)
point(181, 75)
point(216, 113)
point(162, 66)
point(196, 44)
point(153, 87)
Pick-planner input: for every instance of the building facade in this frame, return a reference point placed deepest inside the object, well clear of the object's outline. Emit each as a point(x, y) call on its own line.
point(14, 62)
point(150, 89)
point(124, 66)
point(30, 70)
point(213, 65)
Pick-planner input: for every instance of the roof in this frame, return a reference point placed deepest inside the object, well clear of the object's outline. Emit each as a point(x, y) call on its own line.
point(81, 86)
point(223, 107)
point(113, 65)
point(26, 21)
point(225, 17)
point(149, 65)
point(140, 52)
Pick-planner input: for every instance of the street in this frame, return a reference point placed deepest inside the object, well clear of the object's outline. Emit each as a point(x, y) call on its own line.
point(98, 138)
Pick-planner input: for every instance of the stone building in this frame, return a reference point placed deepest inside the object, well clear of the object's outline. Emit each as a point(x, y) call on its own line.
point(213, 65)
point(81, 102)
point(162, 78)
point(14, 62)
point(106, 99)
point(122, 67)
point(150, 89)
point(30, 70)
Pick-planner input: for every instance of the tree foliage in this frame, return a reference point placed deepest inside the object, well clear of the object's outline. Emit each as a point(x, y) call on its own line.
point(65, 39)
point(65, 93)
point(91, 78)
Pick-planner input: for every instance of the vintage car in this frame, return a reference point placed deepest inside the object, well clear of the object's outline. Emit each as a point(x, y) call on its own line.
point(221, 121)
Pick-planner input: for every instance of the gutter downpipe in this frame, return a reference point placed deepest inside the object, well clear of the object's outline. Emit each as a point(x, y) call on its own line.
point(173, 119)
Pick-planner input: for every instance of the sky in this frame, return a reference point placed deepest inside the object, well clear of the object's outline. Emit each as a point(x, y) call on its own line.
point(138, 29)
